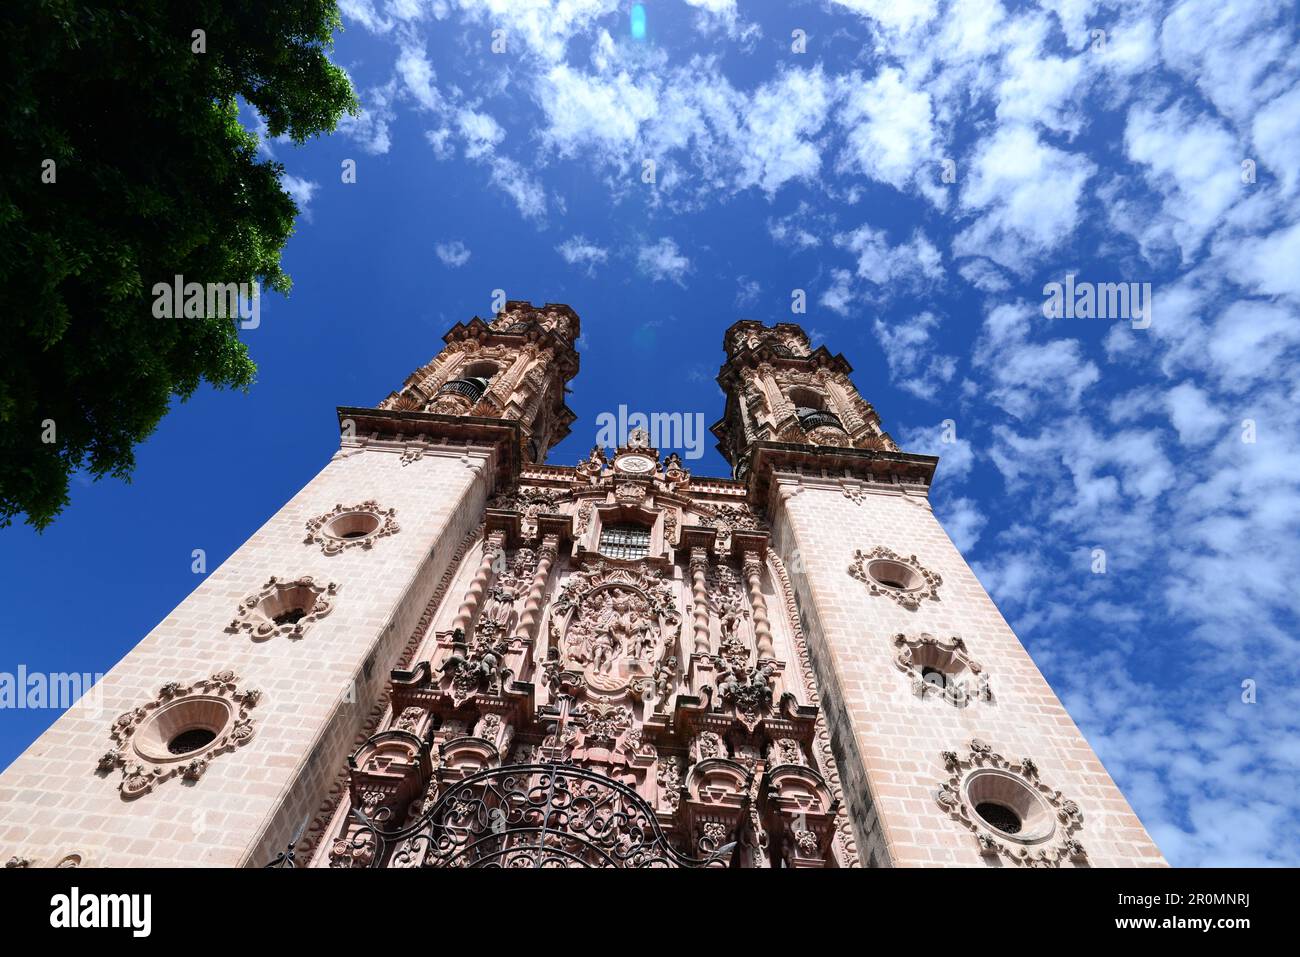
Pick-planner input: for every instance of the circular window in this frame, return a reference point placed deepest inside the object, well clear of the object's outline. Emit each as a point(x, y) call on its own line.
point(999, 816)
point(1007, 805)
point(183, 728)
point(191, 740)
point(352, 525)
point(894, 575)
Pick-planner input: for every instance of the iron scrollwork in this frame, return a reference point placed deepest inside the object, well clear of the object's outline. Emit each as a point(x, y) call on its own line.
point(530, 815)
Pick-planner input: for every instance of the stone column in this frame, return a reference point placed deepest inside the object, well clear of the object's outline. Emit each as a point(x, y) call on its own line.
point(491, 550)
point(700, 591)
point(528, 621)
point(758, 605)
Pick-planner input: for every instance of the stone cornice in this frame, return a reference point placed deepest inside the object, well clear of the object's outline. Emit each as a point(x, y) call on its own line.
point(873, 466)
point(503, 436)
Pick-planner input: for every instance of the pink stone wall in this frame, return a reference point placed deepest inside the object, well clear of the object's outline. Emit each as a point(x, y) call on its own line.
point(891, 758)
point(317, 691)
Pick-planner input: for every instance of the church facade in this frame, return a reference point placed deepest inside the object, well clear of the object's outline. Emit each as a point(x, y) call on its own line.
point(443, 652)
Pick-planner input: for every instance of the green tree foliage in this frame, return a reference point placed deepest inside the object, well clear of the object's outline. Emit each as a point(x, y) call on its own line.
point(153, 176)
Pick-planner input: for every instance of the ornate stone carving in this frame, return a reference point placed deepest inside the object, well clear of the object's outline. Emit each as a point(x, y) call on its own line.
point(922, 584)
point(284, 608)
point(356, 526)
point(615, 625)
point(530, 502)
point(593, 466)
point(941, 668)
point(1046, 823)
point(746, 690)
point(474, 668)
point(726, 519)
point(728, 606)
point(151, 744)
point(630, 493)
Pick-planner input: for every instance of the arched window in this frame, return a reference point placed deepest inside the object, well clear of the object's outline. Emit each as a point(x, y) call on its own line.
point(625, 541)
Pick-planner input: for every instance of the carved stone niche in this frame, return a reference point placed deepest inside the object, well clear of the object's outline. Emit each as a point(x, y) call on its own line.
point(179, 732)
point(805, 809)
point(355, 526)
point(387, 772)
point(942, 669)
point(902, 579)
point(1012, 814)
point(284, 608)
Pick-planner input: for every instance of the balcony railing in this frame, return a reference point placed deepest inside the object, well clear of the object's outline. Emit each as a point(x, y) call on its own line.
point(817, 419)
point(471, 389)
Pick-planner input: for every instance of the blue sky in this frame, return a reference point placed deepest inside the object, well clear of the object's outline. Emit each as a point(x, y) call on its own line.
point(1117, 156)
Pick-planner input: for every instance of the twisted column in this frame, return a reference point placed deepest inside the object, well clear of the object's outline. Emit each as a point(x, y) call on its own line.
point(491, 550)
point(758, 605)
point(528, 621)
point(700, 591)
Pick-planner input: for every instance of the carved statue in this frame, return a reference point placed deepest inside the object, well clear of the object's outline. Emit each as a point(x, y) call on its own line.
point(497, 611)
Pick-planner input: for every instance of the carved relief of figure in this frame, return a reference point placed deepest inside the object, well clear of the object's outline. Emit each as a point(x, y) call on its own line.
point(603, 649)
point(495, 618)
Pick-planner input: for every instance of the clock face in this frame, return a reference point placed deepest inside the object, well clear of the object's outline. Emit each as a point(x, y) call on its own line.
point(635, 463)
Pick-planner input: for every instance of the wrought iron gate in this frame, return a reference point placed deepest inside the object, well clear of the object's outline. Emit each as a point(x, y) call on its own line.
point(529, 815)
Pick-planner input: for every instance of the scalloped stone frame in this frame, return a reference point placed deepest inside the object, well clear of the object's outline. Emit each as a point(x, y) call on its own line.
point(258, 612)
point(1049, 821)
point(141, 736)
point(332, 530)
point(920, 583)
point(918, 652)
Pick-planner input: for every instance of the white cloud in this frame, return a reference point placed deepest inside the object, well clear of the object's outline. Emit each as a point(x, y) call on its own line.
point(577, 251)
point(890, 134)
point(1249, 340)
point(1226, 48)
point(779, 121)
point(901, 15)
point(1276, 133)
point(526, 191)
point(543, 27)
point(663, 260)
point(838, 297)
point(794, 229)
point(453, 254)
point(1266, 265)
point(370, 127)
point(480, 132)
point(1193, 162)
point(302, 191)
point(1023, 374)
point(912, 263)
point(1030, 194)
point(1038, 88)
point(984, 275)
point(1196, 420)
point(418, 78)
point(914, 365)
point(956, 454)
point(963, 521)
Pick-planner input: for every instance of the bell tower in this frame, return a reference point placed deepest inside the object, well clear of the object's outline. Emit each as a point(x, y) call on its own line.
point(503, 380)
point(781, 391)
point(951, 746)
